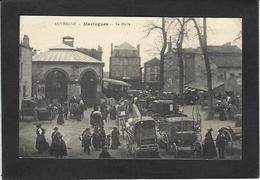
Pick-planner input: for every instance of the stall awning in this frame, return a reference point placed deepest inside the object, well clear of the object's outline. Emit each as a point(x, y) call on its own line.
point(114, 81)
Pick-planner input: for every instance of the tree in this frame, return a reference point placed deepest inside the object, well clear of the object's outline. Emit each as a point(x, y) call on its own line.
point(163, 29)
point(202, 36)
point(182, 22)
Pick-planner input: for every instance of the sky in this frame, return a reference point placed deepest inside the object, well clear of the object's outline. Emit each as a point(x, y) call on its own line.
point(90, 32)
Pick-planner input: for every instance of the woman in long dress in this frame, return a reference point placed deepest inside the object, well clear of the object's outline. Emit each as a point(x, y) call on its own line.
point(209, 148)
point(115, 138)
point(60, 119)
point(58, 146)
point(41, 144)
point(55, 142)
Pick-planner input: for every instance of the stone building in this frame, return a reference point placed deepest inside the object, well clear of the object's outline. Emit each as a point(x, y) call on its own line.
point(225, 62)
point(152, 74)
point(63, 72)
point(125, 64)
point(25, 71)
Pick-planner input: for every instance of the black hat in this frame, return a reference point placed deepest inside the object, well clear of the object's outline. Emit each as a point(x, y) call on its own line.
point(55, 128)
point(38, 125)
point(210, 129)
point(220, 130)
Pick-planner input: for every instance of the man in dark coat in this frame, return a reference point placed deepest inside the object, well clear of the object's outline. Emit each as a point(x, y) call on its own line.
point(103, 109)
point(108, 139)
point(86, 140)
point(209, 149)
point(96, 139)
point(221, 143)
point(41, 144)
point(113, 113)
point(115, 138)
point(103, 136)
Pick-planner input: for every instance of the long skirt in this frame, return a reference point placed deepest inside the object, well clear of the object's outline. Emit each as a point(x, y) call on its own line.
point(60, 119)
point(115, 142)
point(58, 149)
point(53, 151)
point(209, 150)
point(41, 144)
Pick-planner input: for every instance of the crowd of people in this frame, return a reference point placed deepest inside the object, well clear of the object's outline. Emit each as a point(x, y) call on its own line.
point(95, 136)
point(227, 106)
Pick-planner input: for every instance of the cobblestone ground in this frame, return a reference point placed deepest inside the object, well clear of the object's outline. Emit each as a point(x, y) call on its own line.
point(73, 128)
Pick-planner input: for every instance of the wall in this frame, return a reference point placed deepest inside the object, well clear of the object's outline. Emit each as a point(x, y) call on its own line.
point(125, 67)
point(25, 73)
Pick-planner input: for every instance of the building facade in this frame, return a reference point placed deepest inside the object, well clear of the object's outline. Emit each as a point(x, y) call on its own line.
point(152, 74)
point(225, 62)
point(125, 64)
point(25, 70)
point(63, 72)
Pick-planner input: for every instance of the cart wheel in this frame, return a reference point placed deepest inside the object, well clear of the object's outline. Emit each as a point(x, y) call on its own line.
point(229, 145)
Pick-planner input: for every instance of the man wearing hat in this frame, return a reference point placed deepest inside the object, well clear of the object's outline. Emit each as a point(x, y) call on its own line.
point(221, 142)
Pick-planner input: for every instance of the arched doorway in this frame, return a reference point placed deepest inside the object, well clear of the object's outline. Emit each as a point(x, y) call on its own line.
point(88, 84)
point(56, 86)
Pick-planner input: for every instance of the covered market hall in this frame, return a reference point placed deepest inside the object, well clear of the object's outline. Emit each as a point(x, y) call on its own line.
point(63, 71)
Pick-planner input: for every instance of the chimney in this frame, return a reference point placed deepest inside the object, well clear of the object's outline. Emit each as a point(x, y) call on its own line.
point(170, 44)
point(25, 41)
point(138, 49)
point(111, 49)
point(100, 52)
point(68, 41)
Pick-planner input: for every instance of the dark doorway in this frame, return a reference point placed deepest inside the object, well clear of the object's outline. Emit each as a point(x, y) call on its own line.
point(88, 84)
point(56, 87)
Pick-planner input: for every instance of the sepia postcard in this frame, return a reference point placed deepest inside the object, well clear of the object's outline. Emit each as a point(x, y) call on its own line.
point(130, 87)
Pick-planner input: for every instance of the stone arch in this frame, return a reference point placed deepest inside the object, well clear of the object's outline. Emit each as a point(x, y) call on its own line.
point(89, 70)
point(56, 69)
point(88, 81)
point(56, 85)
